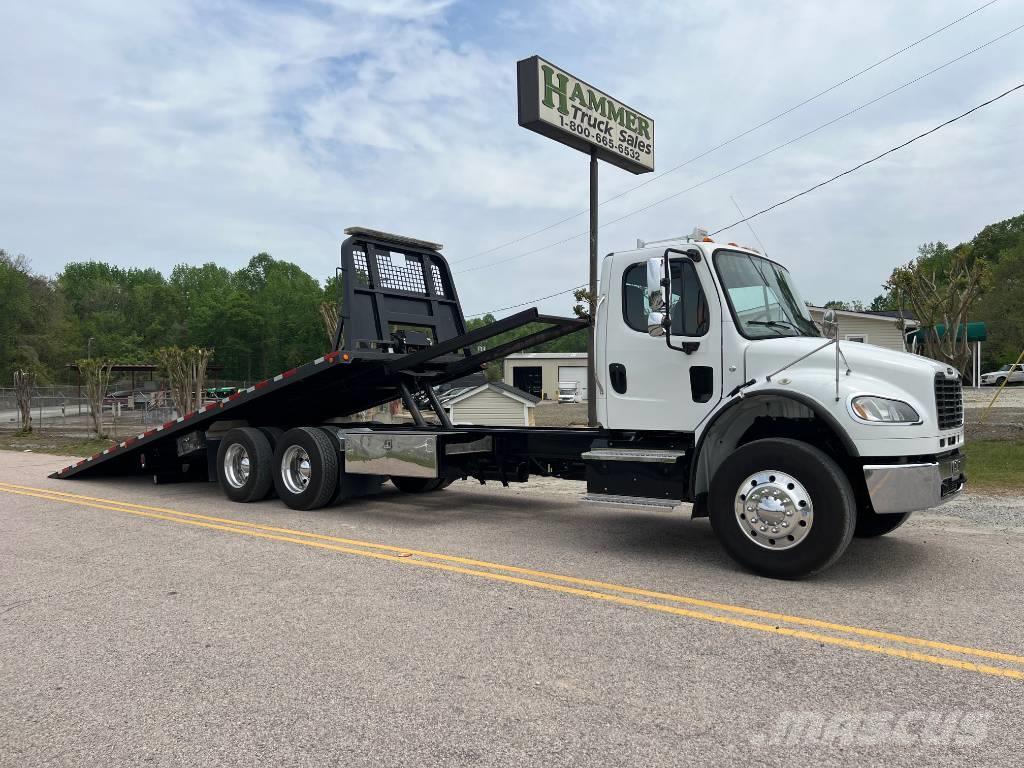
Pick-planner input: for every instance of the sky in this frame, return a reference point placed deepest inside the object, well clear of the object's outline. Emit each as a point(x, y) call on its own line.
point(169, 131)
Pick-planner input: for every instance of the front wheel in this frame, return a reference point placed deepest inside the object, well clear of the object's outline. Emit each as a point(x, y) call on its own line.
point(1000, 381)
point(782, 508)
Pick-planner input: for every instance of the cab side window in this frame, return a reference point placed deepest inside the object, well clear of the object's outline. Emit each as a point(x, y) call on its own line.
point(690, 316)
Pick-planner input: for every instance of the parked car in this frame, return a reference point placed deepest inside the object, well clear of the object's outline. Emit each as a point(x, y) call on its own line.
point(1011, 374)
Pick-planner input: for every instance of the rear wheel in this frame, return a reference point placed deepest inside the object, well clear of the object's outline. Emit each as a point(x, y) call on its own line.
point(245, 465)
point(871, 524)
point(305, 468)
point(782, 508)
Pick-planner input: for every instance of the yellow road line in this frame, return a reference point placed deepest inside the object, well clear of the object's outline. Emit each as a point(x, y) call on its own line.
point(725, 607)
point(603, 596)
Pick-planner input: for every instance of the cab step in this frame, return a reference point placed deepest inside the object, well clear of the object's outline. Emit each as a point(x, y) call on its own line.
point(642, 455)
point(631, 501)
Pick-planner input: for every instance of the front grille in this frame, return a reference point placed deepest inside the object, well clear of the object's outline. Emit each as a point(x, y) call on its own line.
point(949, 401)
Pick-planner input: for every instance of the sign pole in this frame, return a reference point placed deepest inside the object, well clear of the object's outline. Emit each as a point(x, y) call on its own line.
point(591, 335)
point(560, 106)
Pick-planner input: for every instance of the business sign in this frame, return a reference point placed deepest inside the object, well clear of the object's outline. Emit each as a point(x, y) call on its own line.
point(564, 108)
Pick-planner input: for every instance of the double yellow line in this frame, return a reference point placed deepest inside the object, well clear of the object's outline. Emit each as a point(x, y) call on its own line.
point(815, 630)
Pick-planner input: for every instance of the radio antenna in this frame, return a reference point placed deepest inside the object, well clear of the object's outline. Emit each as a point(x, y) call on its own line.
point(749, 225)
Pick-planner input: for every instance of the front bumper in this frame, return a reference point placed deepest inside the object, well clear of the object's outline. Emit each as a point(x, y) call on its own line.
point(896, 489)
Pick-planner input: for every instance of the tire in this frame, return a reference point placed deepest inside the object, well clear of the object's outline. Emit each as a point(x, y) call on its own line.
point(419, 484)
point(273, 434)
point(805, 499)
point(1000, 381)
point(870, 524)
point(245, 465)
point(305, 468)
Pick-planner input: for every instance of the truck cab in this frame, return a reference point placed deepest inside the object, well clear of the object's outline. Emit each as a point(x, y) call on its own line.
point(714, 341)
point(569, 392)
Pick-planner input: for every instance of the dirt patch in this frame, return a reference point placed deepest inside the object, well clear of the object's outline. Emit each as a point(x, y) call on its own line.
point(549, 414)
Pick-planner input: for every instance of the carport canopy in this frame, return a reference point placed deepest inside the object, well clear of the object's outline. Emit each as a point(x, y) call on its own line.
point(975, 332)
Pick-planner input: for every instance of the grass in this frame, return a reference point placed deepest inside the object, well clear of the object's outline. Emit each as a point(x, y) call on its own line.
point(47, 443)
point(995, 464)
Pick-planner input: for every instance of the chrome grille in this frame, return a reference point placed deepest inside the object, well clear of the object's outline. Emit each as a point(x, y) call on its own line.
point(949, 401)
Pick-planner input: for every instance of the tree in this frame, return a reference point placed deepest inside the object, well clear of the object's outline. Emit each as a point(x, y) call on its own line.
point(32, 320)
point(24, 384)
point(941, 286)
point(1003, 307)
point(853, 305)
point(95, 373)
point(186, 372)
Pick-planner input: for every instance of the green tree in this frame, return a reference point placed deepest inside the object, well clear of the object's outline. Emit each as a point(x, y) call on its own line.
point(1002, 308)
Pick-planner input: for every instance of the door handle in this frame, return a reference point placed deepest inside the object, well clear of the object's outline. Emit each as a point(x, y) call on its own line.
point(617, 377)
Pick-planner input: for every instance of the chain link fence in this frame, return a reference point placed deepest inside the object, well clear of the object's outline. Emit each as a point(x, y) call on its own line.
point(60, 410)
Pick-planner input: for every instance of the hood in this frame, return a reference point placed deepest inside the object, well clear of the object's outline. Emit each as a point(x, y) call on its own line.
point(768, 355)
point(873, 371)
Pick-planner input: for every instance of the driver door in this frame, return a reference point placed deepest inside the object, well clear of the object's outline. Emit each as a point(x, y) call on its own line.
point(650, 386)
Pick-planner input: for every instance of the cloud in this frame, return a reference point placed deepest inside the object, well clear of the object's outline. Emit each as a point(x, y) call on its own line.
point(163, 132)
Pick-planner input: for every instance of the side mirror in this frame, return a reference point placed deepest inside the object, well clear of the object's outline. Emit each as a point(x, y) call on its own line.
point(655, 291)
point(830, 324)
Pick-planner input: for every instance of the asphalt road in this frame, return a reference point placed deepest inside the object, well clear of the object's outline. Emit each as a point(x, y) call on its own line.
point(480, 626)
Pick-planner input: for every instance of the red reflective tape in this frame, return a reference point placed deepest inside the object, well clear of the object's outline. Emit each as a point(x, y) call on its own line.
point(169, 423)
point(129, 441)
point(234, 396)
point(261, 384)
point(286, 374)
point(332, 356)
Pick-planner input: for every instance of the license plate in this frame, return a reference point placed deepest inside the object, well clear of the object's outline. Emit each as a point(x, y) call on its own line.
point(952, 466)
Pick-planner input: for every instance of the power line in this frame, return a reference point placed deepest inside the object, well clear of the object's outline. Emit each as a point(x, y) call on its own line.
point(821, 184)
point(857, 167)
point(753, 159)
point(528, 301)
point(738, 136)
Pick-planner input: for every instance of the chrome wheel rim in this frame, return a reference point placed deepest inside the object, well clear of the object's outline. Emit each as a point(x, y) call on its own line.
point(774, 510)
point(295, 469)
point(236, 465)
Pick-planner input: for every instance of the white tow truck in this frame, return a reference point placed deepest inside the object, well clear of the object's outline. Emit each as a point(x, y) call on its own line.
point(713, 387)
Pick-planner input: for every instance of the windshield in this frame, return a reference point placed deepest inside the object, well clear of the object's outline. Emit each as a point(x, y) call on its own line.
point(762, 296)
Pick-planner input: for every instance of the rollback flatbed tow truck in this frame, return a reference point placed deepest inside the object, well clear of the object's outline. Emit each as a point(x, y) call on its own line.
point(714, 387)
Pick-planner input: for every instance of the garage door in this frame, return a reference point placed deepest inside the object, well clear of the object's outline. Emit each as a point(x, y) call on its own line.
point(574, 373)
point(528, 379)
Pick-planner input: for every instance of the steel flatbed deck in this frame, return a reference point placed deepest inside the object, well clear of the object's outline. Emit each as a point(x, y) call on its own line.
point(400, 331)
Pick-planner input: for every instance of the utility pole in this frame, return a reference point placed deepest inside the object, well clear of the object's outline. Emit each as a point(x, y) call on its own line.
point(592, 299)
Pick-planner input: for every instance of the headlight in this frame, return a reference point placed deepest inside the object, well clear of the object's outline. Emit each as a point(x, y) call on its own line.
point(880, 410)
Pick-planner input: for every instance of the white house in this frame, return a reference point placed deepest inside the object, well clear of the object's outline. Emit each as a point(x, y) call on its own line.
point(492, 403)
point(882, 329)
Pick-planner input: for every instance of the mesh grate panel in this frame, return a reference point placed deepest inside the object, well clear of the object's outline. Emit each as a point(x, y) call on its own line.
point(435, 276)
point(401, 272)
point(362, 275)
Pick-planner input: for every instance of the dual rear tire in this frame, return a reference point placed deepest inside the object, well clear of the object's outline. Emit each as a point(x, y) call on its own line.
point(300, 465)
